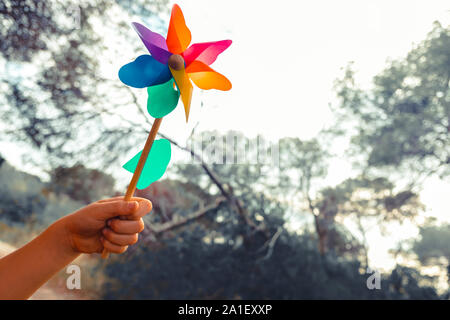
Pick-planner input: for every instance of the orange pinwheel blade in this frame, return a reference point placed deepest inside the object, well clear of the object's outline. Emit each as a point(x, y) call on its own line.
point(206, 78)
point(178, 35)
point(185, 87)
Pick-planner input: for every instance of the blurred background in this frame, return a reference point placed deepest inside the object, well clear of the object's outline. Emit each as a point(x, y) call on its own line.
point(352, 95)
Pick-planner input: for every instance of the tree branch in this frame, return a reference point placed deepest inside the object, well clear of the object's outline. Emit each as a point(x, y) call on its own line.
point(183, 221)
point(271, 244)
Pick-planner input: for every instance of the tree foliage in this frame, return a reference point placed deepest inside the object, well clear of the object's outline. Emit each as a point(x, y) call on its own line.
point(81, 184)
point(219, 257)
point(56, 95)
point(433, 243)
point(405, 118)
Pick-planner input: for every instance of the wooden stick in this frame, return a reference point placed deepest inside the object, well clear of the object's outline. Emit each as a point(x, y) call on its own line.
point(139, 167)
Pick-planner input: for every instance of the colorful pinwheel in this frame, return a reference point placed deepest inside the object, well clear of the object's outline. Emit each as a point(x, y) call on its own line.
point(171, 63)
point(172, 58)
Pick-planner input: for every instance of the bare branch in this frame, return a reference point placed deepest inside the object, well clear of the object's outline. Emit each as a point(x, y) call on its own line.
point(271, 244)
point(183, 221)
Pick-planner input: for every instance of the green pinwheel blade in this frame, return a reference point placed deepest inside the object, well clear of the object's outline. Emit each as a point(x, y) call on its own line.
point(162, 99)
point(157, 161)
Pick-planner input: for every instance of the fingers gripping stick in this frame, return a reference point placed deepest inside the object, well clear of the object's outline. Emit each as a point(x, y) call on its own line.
point(140, 166)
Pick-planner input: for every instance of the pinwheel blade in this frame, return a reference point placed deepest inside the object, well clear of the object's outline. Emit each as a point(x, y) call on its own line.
point(206, 52)
point(157, 161)
point(143, 72)
point(184, 85)
point(178, 35)
point(162, 99)
point(155, 43)
point(206, 78)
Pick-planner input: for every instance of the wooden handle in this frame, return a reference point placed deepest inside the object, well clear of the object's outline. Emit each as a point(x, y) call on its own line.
point(139, 167)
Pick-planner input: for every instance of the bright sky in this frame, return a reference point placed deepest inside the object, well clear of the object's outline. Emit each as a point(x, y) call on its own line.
point(286, 54)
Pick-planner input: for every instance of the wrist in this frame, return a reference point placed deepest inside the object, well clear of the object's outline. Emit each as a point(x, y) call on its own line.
point(61, 233)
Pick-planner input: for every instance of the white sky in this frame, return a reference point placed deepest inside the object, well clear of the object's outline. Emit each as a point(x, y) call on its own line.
point(283, 61)
point(286, 54)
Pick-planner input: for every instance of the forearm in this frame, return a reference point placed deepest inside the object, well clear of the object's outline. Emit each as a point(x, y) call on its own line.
point(26, 269)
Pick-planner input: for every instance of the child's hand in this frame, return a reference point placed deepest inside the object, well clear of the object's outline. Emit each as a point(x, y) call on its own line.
point(98, 225)
point(84, 231)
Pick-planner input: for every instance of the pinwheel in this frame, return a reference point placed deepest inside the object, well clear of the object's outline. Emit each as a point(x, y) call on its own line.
point(167, 74)
point(172, 58)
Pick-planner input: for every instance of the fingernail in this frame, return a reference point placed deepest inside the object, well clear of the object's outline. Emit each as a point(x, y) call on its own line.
point(132, 205)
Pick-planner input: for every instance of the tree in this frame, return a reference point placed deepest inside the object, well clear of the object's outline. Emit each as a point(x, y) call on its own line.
point(404, 120)
point(219, 257)
point(55, 97)
point(362, 199)
point(301, 162)
point(218, 168)
point(368, 202)
point(433, 246)
point(433, 243)
point(81, 183)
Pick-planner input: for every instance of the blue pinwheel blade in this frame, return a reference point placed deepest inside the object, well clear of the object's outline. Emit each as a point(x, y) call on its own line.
point(144, 72)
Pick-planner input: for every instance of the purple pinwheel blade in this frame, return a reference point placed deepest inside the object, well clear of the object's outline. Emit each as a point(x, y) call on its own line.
point(155, 43)
point(144, 72)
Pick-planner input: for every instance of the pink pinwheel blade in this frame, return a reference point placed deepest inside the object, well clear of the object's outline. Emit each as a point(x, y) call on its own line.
point(155, 43)
point(205, 52)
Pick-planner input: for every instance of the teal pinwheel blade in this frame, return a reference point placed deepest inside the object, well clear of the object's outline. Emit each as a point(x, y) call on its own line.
point(157, 161)
point(162, 99)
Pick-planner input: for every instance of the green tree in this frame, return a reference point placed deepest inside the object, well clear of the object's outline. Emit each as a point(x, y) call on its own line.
point(219, 257)
point(433, 246)
point(404, 120)
point(81, 183)
point(367, 201)
point(55, 97)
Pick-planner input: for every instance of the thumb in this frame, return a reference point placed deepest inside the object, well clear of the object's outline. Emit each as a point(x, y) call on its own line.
point(106, 210)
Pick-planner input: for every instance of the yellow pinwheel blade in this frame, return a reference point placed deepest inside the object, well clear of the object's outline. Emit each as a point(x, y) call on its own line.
point(178, 35)
point(206, 78)
point(185, 87)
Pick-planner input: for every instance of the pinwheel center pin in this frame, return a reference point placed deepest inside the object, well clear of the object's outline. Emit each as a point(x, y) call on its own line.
point(176, 62)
